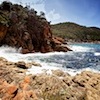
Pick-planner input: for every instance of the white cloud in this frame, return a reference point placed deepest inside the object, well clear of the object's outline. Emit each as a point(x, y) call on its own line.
point(39, 5)
point(53, 16)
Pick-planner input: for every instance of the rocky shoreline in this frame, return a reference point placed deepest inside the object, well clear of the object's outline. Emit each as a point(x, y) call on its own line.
point(22, 27)
point(16, 85)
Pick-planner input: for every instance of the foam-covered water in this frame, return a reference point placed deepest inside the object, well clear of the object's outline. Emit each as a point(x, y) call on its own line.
point(85, 47)
point(83, 57)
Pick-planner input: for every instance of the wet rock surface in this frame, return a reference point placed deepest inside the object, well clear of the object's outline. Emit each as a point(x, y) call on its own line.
point(16, 85)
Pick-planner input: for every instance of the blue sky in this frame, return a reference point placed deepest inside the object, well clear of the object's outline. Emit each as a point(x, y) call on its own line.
point(83, 12)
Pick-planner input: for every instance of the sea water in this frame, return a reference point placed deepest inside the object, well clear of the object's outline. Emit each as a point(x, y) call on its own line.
point(85, 56)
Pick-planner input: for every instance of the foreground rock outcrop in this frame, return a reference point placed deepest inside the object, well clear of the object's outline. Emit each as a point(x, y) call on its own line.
point(16, 85)
point(21, 27)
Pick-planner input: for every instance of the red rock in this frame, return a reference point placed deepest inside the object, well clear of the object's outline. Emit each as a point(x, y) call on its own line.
point(56, 41)
point(61, 48)
point(19, 96)
point(59, 39)
point(27, 79)
point(3, 31)
point(24, 51)
point(12, 89)
point(27, 30)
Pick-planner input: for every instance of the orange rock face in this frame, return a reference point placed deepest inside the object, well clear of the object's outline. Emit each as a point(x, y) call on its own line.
point(3, 31)
point(16, 85)
point(11, 89)
point(27, 30)
point(13, 92)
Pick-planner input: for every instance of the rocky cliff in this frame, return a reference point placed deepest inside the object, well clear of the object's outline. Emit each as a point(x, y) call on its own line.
point(21, 27)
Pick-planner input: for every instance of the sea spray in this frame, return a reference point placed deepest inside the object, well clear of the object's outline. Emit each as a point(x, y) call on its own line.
point(72, 62)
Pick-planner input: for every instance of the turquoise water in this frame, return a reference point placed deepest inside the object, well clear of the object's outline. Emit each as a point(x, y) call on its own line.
point(91, 46)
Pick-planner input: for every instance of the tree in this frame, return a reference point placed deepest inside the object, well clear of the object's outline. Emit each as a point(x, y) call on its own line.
point(42, 14)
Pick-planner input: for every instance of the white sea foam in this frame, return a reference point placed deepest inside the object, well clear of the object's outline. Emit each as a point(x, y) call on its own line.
point(8, 49)
point(12, 54)
point(97, 53)
point(76, 48)
point(48, 70)
point(43, 69)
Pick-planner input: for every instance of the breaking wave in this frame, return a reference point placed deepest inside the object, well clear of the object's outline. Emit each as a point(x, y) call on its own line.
point(83, 57)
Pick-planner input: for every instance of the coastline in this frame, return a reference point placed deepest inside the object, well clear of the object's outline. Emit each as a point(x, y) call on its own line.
point(29, 36)
point(15, 84)
point(76, 42)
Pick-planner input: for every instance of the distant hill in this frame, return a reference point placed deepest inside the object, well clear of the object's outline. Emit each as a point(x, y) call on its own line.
point(75, 32)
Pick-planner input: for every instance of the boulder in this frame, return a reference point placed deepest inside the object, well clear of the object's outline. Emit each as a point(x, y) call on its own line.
point(12, 89)
point(58, 39)
point(13, 92)
point(21, 64)
point(16, 85)
point(59, 73)
point(61, 48)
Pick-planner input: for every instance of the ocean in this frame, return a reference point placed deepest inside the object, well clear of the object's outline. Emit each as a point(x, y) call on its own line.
point(85, 56)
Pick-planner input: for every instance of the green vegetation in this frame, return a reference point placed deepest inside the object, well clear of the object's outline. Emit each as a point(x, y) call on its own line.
point(76, 32)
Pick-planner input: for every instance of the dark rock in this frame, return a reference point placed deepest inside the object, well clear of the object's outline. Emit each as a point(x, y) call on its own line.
point(61, 48)
point(3, 31)
point(21, 64)
point(27, 30)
